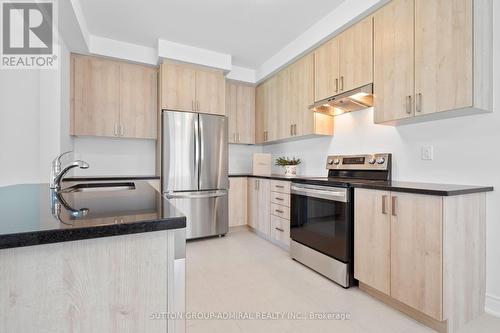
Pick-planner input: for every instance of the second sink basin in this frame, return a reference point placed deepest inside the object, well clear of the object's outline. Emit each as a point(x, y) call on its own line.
point(94, 187)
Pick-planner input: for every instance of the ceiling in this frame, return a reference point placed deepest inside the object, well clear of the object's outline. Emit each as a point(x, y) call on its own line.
point(250, 30)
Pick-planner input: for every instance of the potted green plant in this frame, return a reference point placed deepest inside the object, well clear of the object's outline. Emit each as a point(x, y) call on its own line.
point(290, 165)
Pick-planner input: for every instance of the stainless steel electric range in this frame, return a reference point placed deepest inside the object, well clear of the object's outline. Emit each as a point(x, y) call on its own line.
point(322, 214)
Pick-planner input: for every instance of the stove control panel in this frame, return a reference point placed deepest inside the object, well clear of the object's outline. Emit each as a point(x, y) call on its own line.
point(380, 161)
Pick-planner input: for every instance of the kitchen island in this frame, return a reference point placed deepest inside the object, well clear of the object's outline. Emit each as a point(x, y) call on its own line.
point(90, 259)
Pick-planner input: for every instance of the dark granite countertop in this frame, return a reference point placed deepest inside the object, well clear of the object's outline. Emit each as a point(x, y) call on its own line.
point(108, 178)
point(29, 214)
point(395, 186)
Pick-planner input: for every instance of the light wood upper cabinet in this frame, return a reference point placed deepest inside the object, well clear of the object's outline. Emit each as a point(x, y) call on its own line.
point(393, 61)
point(178, 87)
point(443, 55)
point(240, 110)
point(356, 55)
point(138, 101)
point(416, 252)
point(372, 239)
point(191, 88)
point(260, 112)
point(210, 91)
point(96, 96)
point(326, 70)
point(113, 98)
point(432, 56)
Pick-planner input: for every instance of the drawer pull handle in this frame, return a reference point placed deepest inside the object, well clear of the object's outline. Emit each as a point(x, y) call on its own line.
point(280, 199)
point(279, 229)
point(279, 186)
point(384, 208)
point(394, 206)
point(279, 211)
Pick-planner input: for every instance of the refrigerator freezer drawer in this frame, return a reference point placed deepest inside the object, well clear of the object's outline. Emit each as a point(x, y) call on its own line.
point(206, 212)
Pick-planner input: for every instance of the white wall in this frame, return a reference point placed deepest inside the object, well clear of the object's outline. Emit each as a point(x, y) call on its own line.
point(240, 158)
point(466, 151)
point(115, 156)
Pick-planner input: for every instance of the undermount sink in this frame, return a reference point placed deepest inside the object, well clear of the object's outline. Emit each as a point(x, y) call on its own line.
point(99, 187)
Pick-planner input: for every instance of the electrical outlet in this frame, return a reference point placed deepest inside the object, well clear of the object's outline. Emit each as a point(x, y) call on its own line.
point(427, 153)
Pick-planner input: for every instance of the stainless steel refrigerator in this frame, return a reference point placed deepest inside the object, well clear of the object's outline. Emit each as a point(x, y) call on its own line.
point(194, 170)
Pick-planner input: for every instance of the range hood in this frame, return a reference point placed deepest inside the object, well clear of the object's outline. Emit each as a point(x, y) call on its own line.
point(352, 100)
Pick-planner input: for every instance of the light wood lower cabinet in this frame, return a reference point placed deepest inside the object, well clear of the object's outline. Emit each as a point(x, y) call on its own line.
point(280, 230)
point(113, 98)
point(237, 201)
point(259, 205)
point(425, 253)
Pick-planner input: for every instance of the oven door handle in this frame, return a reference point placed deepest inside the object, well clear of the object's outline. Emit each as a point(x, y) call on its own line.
point(322, 194)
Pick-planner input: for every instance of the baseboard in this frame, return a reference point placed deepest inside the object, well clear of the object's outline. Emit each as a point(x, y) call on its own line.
point(492, 305)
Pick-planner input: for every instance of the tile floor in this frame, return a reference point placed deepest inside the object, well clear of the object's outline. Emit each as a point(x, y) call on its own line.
point(243, 272)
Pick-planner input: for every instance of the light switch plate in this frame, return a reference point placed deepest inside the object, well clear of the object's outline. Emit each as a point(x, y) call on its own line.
point(427, 153)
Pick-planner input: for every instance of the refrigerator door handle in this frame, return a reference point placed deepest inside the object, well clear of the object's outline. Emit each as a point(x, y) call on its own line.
point(196, 195)
point(197, 148)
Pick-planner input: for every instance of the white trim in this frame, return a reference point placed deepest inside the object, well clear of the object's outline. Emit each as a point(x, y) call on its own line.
point(193, 55)
point(242, 74)
point(492, 306)
point(122, 50)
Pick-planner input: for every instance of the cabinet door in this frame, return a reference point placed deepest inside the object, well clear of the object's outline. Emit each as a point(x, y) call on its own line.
point(96, 96)
point(232, 115)
point(245, 108)
point(260, 112)
point(443, 55)
point(280, 121)
point(372, 238)
point(178, 87)
point(416, 252)
point(237, 201)
point(253, 202)
point(271, 109)
point(210, 92)
point(138, 101)
point(356, 56)
point(393, 78)
point(301, 88)
point(326, 70)
point(264, 206)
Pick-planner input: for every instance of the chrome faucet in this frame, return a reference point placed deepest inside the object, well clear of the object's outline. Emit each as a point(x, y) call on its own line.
point(56, 174)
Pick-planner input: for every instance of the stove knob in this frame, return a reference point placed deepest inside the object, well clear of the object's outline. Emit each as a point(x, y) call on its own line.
point(330, 162)
point(380, 160)
point(372, 160)
point(336, 161)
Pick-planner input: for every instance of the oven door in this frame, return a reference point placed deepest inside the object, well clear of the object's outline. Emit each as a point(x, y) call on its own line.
point(320, 218)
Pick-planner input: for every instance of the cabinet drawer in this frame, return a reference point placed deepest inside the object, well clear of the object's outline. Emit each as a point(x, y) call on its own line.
point(280, 230)
point(280, 186)
point(280, 210)
point(280, 198)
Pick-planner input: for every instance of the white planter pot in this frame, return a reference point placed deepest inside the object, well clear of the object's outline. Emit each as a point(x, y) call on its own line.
point(290, 170)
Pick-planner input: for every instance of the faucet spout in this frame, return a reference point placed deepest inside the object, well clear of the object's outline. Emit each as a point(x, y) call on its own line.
point(57, 177)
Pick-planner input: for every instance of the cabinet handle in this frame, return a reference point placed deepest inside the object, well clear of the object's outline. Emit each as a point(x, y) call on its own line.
point(291, 130)
point(279, 211)
point(122, 130)
point(295, 129)
point(408, 104)
point(384, 204)
point(279, 186)
point(280, 199)
point(115, 129)
point(258, 184)
point(279, 229)
point(342, 83)
point(336, 85)
point(265, 135)
point(419, 103)
point(394, 206)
